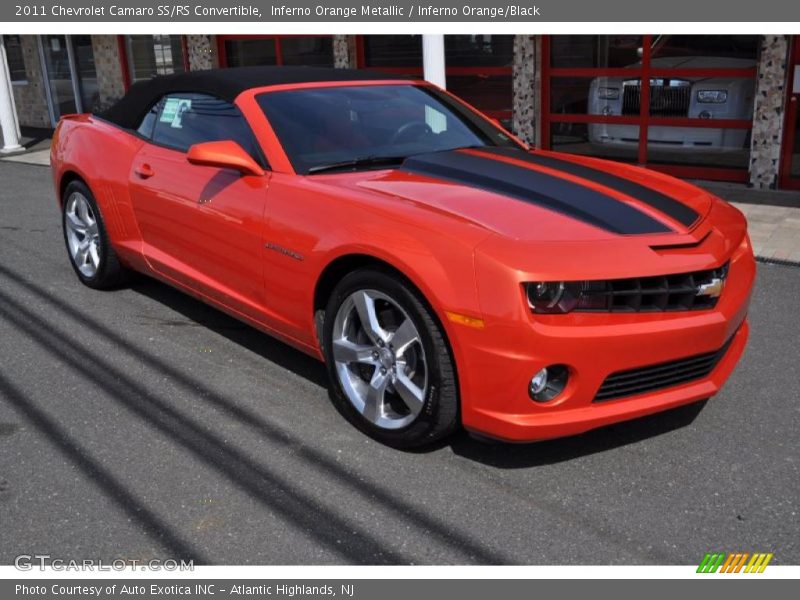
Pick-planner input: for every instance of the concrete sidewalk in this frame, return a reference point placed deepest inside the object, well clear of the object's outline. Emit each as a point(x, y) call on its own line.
point(772, 216)
point(774, 231)
point(37, 157)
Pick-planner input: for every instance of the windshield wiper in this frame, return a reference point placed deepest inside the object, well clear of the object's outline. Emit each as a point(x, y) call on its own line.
point(361, 161)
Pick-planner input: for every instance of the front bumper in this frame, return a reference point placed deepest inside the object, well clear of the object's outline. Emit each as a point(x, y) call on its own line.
point(497, 362)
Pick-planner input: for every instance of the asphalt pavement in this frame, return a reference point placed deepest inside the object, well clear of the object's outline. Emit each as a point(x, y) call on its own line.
point(141, 424)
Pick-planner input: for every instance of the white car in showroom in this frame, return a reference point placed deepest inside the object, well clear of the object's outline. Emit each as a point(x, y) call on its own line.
point(699, 97)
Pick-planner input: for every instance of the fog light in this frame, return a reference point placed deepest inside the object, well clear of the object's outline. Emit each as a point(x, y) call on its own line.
point(539, 382)
point(548, 383)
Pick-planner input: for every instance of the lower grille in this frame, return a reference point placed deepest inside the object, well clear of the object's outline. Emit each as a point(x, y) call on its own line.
point(664, 375)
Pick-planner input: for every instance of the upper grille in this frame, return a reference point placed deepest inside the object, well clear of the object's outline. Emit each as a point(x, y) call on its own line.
point(685, 291)
point(665, 100)
point(668, 374)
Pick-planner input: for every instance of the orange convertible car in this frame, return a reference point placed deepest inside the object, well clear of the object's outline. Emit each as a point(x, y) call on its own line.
point(445, 273)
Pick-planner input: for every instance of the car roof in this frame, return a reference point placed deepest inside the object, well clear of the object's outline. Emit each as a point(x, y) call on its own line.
point(224, 83)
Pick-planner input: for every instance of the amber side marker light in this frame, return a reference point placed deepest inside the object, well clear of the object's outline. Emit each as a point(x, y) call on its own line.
point(465, 320)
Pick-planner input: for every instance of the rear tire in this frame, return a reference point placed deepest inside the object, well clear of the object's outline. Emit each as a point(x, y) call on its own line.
point(390, 368)
point(90, 252)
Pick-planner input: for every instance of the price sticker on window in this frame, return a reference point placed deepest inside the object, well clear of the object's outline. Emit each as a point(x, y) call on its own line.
point(173, 111)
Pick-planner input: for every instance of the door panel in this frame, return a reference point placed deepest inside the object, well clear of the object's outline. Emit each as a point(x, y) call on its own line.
point(202, 226)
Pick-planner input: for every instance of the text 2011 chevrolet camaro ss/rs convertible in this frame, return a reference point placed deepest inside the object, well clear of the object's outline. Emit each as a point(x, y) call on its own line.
point(445, 273)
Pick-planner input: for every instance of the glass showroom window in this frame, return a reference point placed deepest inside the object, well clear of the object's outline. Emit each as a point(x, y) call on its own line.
point(16, 58)
point(682, 104)
point(151, 55)
point(85, 71)
point(478, 67)
point(308, 50)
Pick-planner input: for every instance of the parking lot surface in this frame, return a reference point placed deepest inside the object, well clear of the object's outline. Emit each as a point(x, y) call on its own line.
point(140, 423)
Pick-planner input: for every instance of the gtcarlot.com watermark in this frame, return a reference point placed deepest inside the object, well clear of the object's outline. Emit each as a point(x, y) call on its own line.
point(42, 562)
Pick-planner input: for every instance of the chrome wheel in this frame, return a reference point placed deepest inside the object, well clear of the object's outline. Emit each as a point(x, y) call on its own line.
point(379, 359)
point(83, 234)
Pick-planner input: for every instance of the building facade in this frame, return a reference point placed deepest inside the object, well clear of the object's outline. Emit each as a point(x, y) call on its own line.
point(716, 107)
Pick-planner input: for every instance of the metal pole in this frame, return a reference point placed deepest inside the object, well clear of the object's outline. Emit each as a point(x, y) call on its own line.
point(8, 117)
point(433, 59)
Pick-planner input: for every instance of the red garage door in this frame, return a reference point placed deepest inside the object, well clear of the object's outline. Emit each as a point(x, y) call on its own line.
point(681, 104)
point(790, 163)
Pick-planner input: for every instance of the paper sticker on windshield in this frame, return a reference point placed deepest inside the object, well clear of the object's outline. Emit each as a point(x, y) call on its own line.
point(173, 111)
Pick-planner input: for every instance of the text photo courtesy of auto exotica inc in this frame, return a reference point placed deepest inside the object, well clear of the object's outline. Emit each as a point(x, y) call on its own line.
point(397, 299)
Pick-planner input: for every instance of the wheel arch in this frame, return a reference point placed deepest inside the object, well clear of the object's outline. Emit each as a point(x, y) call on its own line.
point(67, 177)
point(340, 266)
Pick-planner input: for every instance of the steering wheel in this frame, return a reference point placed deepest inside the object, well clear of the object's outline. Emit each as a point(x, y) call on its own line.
point(410, 131)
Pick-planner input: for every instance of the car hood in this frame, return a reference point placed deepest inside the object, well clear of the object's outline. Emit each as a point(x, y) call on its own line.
point(543, 196)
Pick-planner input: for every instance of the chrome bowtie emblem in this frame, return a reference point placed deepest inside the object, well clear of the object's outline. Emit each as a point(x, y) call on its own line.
point(712, 289)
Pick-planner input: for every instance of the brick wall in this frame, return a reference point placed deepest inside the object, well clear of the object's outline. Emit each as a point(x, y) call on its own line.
point(202, 51)
point(765, 147)
point(110, 78)
point(344, 54)
point(526, 88)
point(30, 97)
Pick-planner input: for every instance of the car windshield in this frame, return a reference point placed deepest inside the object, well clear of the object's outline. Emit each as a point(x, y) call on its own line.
point(368, 126)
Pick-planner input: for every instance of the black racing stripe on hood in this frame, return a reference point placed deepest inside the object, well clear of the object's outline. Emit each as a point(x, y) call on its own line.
point(661, 202)
point(554, 193)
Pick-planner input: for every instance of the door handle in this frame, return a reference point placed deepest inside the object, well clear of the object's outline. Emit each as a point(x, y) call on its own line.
point(144, 171)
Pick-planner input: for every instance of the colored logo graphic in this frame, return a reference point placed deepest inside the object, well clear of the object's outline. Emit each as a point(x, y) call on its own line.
point(735, 562)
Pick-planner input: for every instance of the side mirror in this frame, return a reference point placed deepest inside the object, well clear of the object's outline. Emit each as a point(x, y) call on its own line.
point(224, 155)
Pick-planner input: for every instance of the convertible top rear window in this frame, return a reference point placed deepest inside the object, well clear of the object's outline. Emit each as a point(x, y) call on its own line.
point(328, 126)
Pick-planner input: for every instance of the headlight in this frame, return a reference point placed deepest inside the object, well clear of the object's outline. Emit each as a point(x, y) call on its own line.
point(712, 96)
point(552, 296)
point(608, 93)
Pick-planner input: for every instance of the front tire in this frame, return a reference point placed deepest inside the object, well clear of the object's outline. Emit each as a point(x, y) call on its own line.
point(390, 369)
point(90, 252)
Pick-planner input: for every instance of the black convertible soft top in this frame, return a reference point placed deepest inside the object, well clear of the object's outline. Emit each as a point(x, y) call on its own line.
point(223, 83)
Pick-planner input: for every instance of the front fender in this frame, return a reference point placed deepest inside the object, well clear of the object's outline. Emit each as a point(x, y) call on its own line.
point(431, 250)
